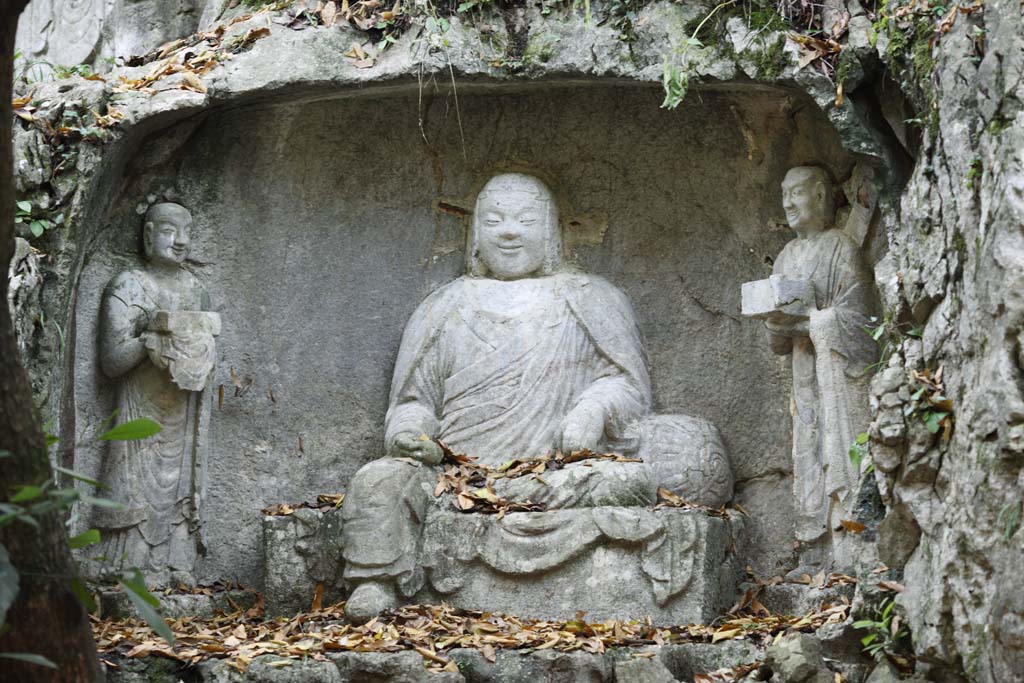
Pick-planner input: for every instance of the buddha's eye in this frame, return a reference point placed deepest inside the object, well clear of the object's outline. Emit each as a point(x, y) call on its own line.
point(492, 222)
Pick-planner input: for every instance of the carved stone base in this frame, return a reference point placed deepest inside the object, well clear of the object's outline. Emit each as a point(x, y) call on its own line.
point(302, 551)
point(675, 566)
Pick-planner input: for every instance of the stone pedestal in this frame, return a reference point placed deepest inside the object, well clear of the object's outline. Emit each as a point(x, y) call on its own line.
point(676, 566)
point(673, 565)
point(301, 551)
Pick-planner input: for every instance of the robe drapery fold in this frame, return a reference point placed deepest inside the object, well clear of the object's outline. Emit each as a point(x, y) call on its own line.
point(497, 390)
point(829, 401)
point(159, 480)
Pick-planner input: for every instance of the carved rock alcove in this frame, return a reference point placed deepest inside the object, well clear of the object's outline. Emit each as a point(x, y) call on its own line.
point(320, 225)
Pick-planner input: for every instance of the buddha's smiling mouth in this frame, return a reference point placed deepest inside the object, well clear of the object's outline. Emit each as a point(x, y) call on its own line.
point(511, 249)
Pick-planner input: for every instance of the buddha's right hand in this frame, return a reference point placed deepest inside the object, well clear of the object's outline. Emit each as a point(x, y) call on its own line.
point(415, 446)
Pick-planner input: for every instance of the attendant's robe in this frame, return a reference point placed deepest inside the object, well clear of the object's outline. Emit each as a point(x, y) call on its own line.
point(158, 480)
point(829, 400)
point(498, 385)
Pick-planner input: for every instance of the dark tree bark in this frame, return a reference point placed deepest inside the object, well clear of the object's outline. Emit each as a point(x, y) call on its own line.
point(46, 617)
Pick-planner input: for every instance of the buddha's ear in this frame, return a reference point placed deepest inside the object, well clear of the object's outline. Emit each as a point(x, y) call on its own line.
point(147, 239)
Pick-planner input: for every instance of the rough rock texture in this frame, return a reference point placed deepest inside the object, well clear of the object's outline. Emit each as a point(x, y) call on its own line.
point(301, 551)
point(955, 276)
point(619, 665)
point(66, 33)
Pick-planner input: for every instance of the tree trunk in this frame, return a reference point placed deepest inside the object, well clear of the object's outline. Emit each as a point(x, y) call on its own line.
point(46, 618)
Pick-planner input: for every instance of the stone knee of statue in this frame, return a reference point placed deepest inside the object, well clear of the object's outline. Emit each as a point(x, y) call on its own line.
point(686, 456)
point(381, 521)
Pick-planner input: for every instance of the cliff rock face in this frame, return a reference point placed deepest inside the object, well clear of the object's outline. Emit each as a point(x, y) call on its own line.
point(954, 278)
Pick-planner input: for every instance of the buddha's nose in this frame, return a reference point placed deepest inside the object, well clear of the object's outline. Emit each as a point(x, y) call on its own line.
point(509, 231)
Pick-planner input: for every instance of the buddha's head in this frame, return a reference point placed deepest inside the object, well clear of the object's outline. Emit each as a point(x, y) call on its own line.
point(166, 234)
point(807, 199)
point(515, 229)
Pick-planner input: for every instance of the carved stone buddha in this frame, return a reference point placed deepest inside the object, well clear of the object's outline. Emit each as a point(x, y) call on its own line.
point(522, 356)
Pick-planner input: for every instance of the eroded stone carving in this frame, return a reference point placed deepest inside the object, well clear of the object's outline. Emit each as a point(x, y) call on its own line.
point(816, 305)
point(157, 342)
point(521, 357)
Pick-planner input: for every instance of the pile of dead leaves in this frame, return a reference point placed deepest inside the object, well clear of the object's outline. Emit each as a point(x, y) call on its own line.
point(472, 484)
point(323, 503)
point(193, 56)
point(431, 630)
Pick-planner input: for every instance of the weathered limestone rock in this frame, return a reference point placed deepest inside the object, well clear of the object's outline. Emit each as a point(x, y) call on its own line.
point(290, 425)
point(401, 667)
point(72, 32)
point(642, 671)
point(302, 551)
point(797, 658)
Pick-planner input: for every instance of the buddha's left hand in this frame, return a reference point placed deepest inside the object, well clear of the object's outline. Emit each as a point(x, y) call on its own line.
point(583, 427)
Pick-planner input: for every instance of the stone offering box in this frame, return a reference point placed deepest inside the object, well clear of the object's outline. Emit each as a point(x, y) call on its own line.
point(172, 321)
point(777, 298)
point(677, 566)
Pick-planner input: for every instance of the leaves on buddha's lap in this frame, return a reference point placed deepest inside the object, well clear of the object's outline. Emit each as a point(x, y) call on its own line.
point(472, 484)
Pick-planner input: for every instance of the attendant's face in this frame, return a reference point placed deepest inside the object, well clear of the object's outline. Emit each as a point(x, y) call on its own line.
point(512, 233)
point(168, 238)
point(803, 199)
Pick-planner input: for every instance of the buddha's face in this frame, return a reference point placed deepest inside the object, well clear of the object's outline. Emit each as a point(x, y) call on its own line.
point(167, 237)
point(512, 233)
point(803, 199)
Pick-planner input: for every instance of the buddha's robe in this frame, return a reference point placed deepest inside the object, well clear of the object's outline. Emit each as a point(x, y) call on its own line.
point(829, 400)
point(158, 480)
point(494, 377)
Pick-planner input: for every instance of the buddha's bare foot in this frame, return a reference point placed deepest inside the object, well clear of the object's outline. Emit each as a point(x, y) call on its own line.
point(368, 600)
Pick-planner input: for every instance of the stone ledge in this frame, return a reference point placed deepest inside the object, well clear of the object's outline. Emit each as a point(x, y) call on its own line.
point(618, 665)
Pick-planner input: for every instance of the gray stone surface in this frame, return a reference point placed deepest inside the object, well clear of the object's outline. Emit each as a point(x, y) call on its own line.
point(521, 357)
point(301, 551)
point(72, 32)
point(400, 667)
point(640, 196)
point(116, 604)
point(797, 658)
point(642, 671)
point(546, 666)
point(672, 565)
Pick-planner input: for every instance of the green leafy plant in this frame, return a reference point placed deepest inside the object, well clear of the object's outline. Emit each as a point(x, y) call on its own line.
point(675, 79)
point(974, 172)
point(885, 632)
point(25, 213)
point(26, 503)
point(859, 451)
point(888, 334)
point(1009, 518)
point(929, 403)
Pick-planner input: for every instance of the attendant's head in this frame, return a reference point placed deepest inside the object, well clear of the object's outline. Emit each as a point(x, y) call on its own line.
point(515, 229)
point(166, 234)
point(807, 199)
